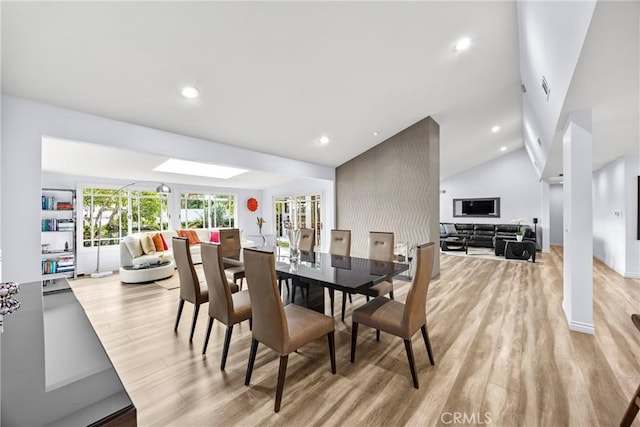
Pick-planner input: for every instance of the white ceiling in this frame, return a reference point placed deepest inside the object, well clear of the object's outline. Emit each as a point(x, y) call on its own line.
point(70, 157)
point(275, 76)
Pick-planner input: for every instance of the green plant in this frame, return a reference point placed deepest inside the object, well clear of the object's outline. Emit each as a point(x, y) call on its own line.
point(260, 222)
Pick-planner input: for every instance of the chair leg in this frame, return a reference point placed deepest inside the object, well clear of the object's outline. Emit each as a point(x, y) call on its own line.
point(281, 372)
point(293, 293)
point(377, 334)
point(252, 359)
point(391, 295)
point(196, 310)
point(368, 298)
point(225, 349)
point(180, 307)
point(427, 343)
point(251, 323)
point(350, 300)
point(332, 351)
point(332, 295)
point(344, 303)
point(354, 338)
point(632, 410)
point(412, 364)
point(206, 338)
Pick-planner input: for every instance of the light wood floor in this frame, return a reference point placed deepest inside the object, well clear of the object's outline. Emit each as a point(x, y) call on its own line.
point(500, 339)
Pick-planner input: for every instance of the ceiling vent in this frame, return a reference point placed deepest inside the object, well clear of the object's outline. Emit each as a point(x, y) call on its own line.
point(545, 87)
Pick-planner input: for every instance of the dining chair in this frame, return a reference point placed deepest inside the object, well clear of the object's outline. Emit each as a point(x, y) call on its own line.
point(230, 246)
point(396, 318)
point(381, 249)
point(306, 243)
point(283, 329)
point(191, 288)
point(340, 245)
point(226, 304)
point(634, 404)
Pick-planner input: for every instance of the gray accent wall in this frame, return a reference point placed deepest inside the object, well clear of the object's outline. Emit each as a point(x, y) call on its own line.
point(394, 187)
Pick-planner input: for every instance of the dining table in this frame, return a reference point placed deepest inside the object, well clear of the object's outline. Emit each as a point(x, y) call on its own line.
point(320, 270)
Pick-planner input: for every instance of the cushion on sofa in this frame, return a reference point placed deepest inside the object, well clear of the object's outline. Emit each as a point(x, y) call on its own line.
point(191, 235)
point(157, 242)
point(507, 228)
point(215, 236)
point(485, 227)
point(148, 247)
point(464, 227)
point(133, 245)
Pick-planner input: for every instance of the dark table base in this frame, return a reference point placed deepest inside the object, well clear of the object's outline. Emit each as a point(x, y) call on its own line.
point(454, 245)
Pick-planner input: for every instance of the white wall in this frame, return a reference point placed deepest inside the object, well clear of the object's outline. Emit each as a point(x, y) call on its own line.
point(25, 122)
point(632, 171)
point(510, 177)
point(303, 186)
point(556, 214)
point(615, 210)
point(551, 35)
point(608, 217)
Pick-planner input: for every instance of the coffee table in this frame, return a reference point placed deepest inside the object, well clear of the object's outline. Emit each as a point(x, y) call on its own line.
point(454, 244)
point(147, 273)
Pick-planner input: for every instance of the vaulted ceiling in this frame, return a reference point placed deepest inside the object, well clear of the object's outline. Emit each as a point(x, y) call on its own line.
point(276, 76)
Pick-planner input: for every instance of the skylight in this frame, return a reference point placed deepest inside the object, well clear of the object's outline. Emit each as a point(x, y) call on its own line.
point(185, 167)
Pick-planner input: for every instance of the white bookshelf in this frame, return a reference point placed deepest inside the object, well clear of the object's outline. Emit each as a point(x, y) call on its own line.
point(58, 234)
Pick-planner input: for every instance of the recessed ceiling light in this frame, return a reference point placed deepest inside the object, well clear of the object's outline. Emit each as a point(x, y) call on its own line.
point(503, 148)
point(324, 139)
point(376, 134)
point(185, 167)
point(495, 129)
point(463, 44)
point(190, 92)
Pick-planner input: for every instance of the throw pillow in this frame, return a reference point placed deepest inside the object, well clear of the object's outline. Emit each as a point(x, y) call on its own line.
point(164, 242)
point(133, 244)
point(147, 244)
point(157, 242)
point(450, 229)
point(215, 236)
point(191, 235)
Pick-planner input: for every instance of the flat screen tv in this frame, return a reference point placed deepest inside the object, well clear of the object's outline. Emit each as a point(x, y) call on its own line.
point(485, 207)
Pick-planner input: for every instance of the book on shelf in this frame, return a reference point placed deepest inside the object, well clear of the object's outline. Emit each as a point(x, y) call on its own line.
point(57, 225)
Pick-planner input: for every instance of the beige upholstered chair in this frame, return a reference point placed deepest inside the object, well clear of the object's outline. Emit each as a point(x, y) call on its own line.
point(283, 329)
point(306, 243)
point(226, 304)
point(306, 240)
point(340, 245)
point(230, 247)
point(402, 320)
point(381, 249)
point(634, 404)
point(191, 289)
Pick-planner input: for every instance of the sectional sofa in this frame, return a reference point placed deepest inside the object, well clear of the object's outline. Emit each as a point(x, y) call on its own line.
point(485, 235)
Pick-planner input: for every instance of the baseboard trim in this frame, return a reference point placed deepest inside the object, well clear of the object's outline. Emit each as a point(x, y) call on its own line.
point(632, 275)
point(585, 328)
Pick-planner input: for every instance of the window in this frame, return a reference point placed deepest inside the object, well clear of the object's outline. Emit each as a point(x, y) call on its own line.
point(207, 210)
point(121, 214)
point(301, 212)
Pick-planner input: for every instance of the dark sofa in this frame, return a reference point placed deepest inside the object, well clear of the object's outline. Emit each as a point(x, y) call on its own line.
point(485, 235)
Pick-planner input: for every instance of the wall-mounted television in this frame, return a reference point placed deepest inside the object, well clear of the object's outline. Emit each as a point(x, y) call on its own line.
point(483, 207)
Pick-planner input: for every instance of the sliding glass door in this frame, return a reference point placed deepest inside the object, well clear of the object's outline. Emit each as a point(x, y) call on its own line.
point(301, 211)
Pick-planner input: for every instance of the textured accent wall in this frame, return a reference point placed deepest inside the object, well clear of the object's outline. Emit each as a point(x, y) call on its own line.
point(394, 186)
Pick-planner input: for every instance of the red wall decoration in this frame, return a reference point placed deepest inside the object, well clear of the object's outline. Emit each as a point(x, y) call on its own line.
point(252, 204)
